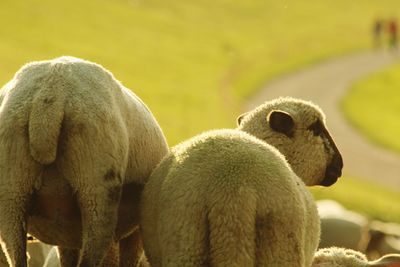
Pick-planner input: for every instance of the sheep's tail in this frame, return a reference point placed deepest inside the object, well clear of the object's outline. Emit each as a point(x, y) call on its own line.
point(45, 121)
point(232, 233)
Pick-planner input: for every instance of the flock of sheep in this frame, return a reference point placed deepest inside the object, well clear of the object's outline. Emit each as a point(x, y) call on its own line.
point(84, 166)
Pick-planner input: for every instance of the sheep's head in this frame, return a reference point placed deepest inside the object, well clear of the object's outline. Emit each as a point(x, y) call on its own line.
point(297, 129)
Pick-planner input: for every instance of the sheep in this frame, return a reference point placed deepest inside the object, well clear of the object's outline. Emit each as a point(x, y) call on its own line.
point(384, 239)
point(76, 148)
point(344, 228)
point(229, 198)
point(341, 227)
point(341, 257)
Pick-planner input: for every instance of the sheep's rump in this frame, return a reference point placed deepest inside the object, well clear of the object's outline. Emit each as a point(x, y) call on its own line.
point(65, 123)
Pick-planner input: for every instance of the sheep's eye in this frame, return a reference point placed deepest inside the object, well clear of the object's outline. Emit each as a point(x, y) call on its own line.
point(316, 128)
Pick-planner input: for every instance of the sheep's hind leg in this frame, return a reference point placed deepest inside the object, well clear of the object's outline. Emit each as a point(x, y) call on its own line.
point(13, 229)
point(99, 206)
point(18, 172)
point(92, 162)
point(98, 190)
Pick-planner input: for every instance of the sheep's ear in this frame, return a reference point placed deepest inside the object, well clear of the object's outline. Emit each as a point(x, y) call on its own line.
point(391, 260)
point(240, 118)
point(281, 122)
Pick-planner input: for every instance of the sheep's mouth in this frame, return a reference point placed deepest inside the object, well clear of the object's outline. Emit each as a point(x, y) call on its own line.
point(334, 170)
point(331, 176)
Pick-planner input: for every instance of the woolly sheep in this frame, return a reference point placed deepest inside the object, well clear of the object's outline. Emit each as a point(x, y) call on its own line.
point(227, 198)
point(341, 227)
point(385, 244)
point(384, 239)
point(340, 257)
point(348, 229)
point(76, 147)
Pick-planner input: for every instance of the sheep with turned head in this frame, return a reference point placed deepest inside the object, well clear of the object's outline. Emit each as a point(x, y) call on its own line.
point(76, 148)
point(239, 197)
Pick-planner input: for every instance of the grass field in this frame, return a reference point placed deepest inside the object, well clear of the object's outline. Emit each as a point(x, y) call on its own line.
point(194, 62)
point(373, 105)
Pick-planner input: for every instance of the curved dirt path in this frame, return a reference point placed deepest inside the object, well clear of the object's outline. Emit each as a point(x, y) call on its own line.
point(325, 84)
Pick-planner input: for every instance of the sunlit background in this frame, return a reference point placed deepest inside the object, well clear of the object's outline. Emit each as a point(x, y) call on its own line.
point(192, 62)
point(196, 62)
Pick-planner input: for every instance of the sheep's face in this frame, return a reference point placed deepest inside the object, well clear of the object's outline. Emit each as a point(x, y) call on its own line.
point(297, 129)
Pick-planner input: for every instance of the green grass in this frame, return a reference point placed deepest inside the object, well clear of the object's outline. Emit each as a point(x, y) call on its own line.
point(373, 106)
point(375, 201)
point(193, 62)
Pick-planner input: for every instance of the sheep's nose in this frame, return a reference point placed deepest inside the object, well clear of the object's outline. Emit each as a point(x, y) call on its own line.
point(333, 170)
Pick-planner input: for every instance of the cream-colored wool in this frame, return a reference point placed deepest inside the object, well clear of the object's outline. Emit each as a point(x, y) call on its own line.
point(303, 142)
point(340, 257)
point(227, 198)
point(72, 136)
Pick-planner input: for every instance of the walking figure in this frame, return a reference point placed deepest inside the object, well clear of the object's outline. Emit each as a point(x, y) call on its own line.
point(377, 32)
point(392, 29)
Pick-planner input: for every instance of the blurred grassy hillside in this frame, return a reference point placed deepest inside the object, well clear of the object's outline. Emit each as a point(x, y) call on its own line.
point(373, 200)
point(373, 105)
point(192, 62)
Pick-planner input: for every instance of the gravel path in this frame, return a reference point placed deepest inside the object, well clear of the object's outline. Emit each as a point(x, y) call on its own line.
point(325, 84)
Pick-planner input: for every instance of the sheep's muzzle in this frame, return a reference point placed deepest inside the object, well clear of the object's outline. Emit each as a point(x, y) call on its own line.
point(333, 170)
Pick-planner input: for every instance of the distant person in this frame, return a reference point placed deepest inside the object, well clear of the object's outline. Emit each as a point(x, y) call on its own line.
point(392, 30)
point(377, 33)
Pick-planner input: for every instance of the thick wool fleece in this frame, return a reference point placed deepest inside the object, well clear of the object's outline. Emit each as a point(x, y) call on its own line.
point(226, 198)
point(302, 147)
point(76, 137)
point(340, 257)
